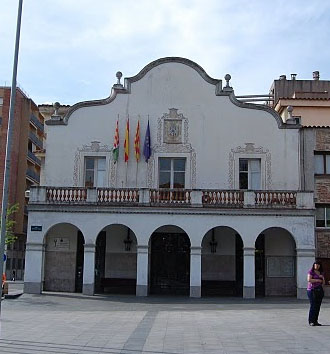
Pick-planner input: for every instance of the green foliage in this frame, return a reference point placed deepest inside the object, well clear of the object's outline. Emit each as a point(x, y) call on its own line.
point(10, 223)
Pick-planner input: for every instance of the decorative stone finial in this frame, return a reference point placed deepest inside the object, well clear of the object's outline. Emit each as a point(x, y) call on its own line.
point(119, 75)
point(292, 119)
point(56, 106)
point(55, 116)
point(227, 78)
point(118, 85)
point(227, 87)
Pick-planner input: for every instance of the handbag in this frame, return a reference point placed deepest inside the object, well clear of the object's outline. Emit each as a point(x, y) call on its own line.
point(318, 293)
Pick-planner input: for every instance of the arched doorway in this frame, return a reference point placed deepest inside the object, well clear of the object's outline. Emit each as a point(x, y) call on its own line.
point(115, 260)
point(64, 259)
point(222, 263)
point(275, 263)
point(169, 261)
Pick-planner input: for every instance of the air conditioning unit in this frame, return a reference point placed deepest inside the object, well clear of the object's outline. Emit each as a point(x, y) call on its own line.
point(27, 193)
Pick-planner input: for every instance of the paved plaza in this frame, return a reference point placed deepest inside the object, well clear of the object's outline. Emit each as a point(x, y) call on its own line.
point(70, 323)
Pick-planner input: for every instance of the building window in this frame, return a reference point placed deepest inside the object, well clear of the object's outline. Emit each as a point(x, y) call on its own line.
point(172, 172)
point(322, 163)
point(95, 171)
point(249, 174)
point(1, 101)
point(323, 216)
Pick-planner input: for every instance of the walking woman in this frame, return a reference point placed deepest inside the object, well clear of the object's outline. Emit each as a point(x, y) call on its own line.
point(315, 292)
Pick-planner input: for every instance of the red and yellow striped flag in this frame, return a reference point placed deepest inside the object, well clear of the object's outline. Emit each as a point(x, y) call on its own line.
point(137, 142)
point(126, 144)
point(115, 150)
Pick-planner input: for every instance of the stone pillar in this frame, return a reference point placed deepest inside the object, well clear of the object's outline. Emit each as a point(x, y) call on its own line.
point(89, 269)
point(34, 256)
point(142, 270)
point(195, 271)
point(305, 259)
point(249, 273)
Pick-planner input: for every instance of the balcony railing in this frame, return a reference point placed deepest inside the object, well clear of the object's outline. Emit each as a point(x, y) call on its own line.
point(164, 196)
point(33, 157)
point(36, 122)
point(275, 198)
point(66, 195)
point(117, 195)
point(223, 198)
point(130, 197)
point(30, 173)
point(35, 140)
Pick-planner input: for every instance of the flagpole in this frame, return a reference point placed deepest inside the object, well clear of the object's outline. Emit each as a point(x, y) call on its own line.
point(116, 172)
point(126, 173)
point(127, 142)
point(147, 161)
point(137, 148)
point(137, 167)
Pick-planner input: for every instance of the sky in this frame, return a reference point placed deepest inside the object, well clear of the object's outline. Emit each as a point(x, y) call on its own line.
point(70, 50)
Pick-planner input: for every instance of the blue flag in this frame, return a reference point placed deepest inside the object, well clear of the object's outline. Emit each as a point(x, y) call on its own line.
point(147, 144)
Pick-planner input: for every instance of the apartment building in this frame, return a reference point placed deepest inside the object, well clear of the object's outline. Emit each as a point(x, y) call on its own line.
point(308, 101)
point(28, 137)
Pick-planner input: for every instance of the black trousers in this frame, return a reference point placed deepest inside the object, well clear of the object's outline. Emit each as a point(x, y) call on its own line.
point(315, 305)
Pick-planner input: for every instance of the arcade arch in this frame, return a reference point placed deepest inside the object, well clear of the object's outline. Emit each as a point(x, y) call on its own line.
point(222, 262)
point(169, 259)
point(64, 258)
point(275, 263)
point(116, 260)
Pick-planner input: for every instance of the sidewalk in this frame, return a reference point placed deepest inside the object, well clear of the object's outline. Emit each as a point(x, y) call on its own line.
point(70, 323)
point(15, 289)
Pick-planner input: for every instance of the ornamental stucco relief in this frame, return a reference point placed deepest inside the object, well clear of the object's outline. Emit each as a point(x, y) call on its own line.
point(249, 148)
point(172, 137)
point(94, 147)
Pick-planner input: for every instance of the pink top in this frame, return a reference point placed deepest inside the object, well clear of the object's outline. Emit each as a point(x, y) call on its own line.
point(313, 275)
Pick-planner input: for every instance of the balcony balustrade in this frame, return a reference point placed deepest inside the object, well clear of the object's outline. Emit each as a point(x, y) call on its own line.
point(30, 173)
point(33, 157)
point(275, 198)
point(35, 140)
point(36, 122)
point(130, 197)
point(117, 195)
point(175, 197)
point(59, 195)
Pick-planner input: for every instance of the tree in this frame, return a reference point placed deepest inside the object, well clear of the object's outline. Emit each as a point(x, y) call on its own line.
point(10, 223)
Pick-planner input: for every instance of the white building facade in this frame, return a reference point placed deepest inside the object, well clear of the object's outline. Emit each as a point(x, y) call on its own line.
point(217, 208)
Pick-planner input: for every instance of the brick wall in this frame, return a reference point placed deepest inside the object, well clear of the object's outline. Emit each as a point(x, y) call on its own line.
point(322, 189)
point(15, 143)
point(322, 195)
point(323, 243)
point(322, 139)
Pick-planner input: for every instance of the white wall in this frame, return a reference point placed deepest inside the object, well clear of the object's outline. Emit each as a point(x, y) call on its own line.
point(216, 126)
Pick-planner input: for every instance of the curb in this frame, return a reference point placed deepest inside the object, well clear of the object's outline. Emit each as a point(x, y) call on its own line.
point(14, 295)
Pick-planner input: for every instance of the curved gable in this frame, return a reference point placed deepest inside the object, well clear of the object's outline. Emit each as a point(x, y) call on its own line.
point(126, 89)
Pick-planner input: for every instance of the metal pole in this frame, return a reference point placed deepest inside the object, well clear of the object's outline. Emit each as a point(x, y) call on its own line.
point(5, 190)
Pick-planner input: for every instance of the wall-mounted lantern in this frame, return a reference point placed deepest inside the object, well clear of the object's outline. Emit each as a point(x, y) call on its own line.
point(213, 243)
point(128, 242)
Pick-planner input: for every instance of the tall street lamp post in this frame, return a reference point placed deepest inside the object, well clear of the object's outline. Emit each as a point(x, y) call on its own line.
point(5, 190)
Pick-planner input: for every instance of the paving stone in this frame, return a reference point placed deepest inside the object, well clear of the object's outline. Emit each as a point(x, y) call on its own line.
point(55, 323)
